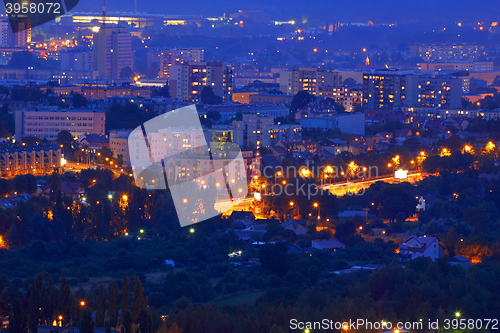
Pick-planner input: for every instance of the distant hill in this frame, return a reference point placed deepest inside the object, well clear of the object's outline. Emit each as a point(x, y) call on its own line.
point(381, 11)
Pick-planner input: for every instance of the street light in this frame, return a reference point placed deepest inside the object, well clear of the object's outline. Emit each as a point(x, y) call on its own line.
point(191, 230)
point(82, 303)
point(457, 314)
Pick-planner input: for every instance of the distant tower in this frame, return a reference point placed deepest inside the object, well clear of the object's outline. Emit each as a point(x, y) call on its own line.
point(367, 61)
point(103, 13)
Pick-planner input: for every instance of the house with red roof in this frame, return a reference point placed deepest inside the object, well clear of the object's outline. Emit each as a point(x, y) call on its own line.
point(420, 247)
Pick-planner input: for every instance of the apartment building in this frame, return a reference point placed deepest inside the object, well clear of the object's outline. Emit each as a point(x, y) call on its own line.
point(118, 144)
point(385, 88)
point(348, 96)
point(112, 51)
point(307, 79)
point(187, 80)
point(37, 160)
point(253, 131)
point(447, 52)
point(434, 91)
point(46, 123)
point(166, 58)
point(479, 66)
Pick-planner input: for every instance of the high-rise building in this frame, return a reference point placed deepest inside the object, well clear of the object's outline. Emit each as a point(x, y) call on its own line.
point(254, 130)
point(307, 79)
point(112, 51)
point(5, 32)
point(442, 91)
point(23, 35)
point(385, 88)
point(187, 80)
point(165, 58)
point(79, 60)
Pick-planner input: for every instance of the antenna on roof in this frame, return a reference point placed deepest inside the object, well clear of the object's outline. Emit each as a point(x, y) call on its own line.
point(103, 13)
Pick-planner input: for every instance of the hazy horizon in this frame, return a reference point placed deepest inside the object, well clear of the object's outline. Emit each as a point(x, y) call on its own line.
point(386, 11)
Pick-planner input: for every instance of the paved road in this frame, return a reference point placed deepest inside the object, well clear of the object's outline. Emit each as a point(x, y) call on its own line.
point(339, 189)
point(358, 186)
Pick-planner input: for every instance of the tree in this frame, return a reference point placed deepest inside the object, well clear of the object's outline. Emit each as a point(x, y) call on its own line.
point(78, 100)
point(145, 322)
point(18, 321)
point(126, 116)
point(65, 300)
point(127, 323)
point(274, 257)
point(35, 302)
point(65, 138)
point(126, 296)
point(140, 302)
point(277, 329)
point(396, 200)
point(7, 127)
point(26, 93)
point(126, 72)
point(451, 241)
point(113, 302)
point(300, 100)
point(214, 115)
point(162, 92)
point(101, 307)
point(208, 96)
point(87, 324)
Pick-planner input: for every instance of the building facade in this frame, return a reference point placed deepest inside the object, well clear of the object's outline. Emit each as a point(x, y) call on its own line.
point(348, 96)
point(46, 124)
point(112, 51)
point(307, 79)
point(383, 89)
point(187, 80)
point(36, 160)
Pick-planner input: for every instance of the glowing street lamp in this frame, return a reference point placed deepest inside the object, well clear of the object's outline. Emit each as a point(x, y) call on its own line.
point(82, 303)
point(353, 168)
point(305, 173)
point(457, 314)
point(445, 152)
point(191, 230)
point(490, 146)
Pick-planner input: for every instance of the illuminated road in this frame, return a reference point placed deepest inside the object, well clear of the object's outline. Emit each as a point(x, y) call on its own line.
point(358, 186)
point(339, 189)
point(228, 205)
